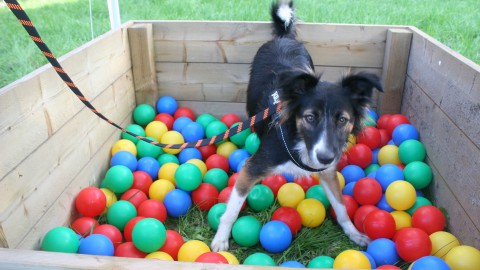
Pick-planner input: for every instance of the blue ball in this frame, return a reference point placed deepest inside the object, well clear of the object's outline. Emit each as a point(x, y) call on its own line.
point(383, 204)
point(236, 157)
point(193, 132)
point(167, 104)
point(404, 132)
point(241, 164)
point(373, 114)
point(292, 264)
point(189, 153)
point(124, 158)
point(96, 244)
point(430, 262)
point(348, 189)
point(372, 174)
point(289, 177)
point(391, 142)
point(275, 236)
point(375, 155)
point(373, 264)
point(383, 251)
point(180, 123)
point(177, 202)
point(149, 165)
point(352, 173)
point(388, 174)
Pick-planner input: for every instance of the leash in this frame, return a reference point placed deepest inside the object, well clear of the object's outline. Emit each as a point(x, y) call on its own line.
point(35, 36)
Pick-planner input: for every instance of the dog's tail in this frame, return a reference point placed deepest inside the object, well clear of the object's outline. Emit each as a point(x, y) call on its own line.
point(283, 19)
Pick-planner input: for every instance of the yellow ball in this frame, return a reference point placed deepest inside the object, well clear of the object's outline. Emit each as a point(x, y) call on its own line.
point(229, 256)
point(316, 176)
point(156, 129)
point(389, 155)
point(124, 145)
point(167, 171)
point(400, 195)
point(159, 255)
point(172, 137)
point(463, 258)
point(191, 250)
point(159, 189)
point(290, 194)
point(341, 180)
point(351, 259)
point(111, 198)
point(402, 219)
point(442, 243)
point(200, 164)
point(312, 212)
point(226, 148)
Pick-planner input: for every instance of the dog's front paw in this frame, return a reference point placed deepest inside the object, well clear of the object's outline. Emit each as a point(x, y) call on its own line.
point(360, 239)
point(219, 243)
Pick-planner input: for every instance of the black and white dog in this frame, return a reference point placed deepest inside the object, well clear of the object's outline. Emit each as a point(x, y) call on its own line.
point(311, 130)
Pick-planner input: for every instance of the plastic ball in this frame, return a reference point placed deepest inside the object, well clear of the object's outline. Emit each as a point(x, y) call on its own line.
point(306, 182)
point(312, 212)
point(394, 121)
point(369, 136)
point(388, 174)
point(275, 236)
point(127, 231)
point(96, 244)
point(360, 214)
point(260, 259)
point(388, 154)
point(60, 239)
point(159, 189)
point(165, 118)
point(372, 168)
point(135, 196)
point(350, 204)
point(352, 173)
point(240, 138)
point(167, 172)
point(214, 215)
point(149, 235)
point(351, 259)
point(208, 150)
point(159, 255)
point(367, 191)
point(348, 189)
point(400, 195)
point(317, 192)
point(292, 264)
point(290, 194)
point(188, 177)
point(192, 132)
point(419, 202)
point(205, 196)
point(217, 161)
point(383, 204)
point(124, 158)
point(90, 202)
point(143, 114)
point(412, 244)
point(229, 119)
point(181, 123)
point(402, 219)
point(120, 213)
point(153, 209)
point(389, 267)
point(288, 176)
point(411, 150)
point(352, 140)
point(463, 258)
point(252, 143)
point(167, 104)
point(172, 244)
point(289, 216)
point(382, 121)
point(110, 197)
point(119, 178)
point(430, 262)
point(236, 157)
point(274, 182)
point(124, 145)
point(191, 250)
point(429, 218)
point(212, 257)
point(129, 250)
point(418, 174)
point(172, 137)
point(370, 259)
point(110, 231)
point(184, 112)
point(321, 262)
point(442, 243)
point(215, 128)
point(156, 129)
point(135, 129)
point(260, 198)
point(216, 177)
point(383, 251)
point(360, 155)
point(205, 119)
point(379, 224)
point(146, 149)
point(404, 132)
point(177, 202)
point(246, 231)
point(230, 257)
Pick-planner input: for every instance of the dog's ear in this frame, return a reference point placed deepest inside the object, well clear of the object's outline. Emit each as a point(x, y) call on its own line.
point(296, 83)
point(360, 88)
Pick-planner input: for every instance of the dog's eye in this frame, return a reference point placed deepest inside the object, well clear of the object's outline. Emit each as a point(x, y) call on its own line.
point(310, 118)
point(342, 120)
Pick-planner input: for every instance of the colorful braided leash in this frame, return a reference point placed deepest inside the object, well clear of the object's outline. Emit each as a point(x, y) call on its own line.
point(32, 31)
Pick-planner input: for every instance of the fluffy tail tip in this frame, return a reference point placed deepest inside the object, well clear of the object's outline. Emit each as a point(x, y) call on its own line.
point(283, 18)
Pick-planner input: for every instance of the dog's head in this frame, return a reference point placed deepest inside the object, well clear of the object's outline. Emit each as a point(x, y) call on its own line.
point(324, 113)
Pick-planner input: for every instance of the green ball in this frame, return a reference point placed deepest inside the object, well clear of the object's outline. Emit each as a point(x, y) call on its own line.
point(246, 231)
point(418, 174)
point(216, 177)
point(317, 192)
point(215, 128)
point(205, 119)
point(214, 215)
point(260, 198)
point(121, 212)
point(136, 129)
point(419, 202)
point(410, 151)
point(260, 259)
point(252, 143)
point(143, 114)
point(61, 239)
point(149, 235)
point(371, 168)
point(188, 177)
point(369, 121)
point(321, 262)
point(166, 158)
point(119, 178)
point(145, 149)
point(240, 138)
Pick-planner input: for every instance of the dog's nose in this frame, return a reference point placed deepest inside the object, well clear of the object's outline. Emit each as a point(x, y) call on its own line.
point(325, 158)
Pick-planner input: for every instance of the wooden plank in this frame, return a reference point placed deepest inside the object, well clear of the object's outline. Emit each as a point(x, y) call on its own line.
point(143, 63)
point(394, 70)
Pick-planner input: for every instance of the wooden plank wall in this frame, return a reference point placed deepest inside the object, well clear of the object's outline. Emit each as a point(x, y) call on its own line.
point(52, 146)
point(442, 99)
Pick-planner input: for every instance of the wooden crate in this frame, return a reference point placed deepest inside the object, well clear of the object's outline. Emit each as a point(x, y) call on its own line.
point(52, 146)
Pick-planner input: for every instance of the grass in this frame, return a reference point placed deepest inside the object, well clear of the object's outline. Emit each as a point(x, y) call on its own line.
point(65, 24)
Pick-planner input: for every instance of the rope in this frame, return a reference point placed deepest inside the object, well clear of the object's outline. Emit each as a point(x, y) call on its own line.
point(35, 36)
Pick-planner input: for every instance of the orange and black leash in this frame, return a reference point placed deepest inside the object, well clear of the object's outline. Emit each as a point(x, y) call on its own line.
point(35, 36)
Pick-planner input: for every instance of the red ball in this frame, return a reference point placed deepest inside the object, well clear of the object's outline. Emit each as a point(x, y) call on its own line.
point(230, 119)
point(306, 182)
point(384, 137)
point(379, 224)
point(382, 121)
point(212, 257)
point(84, 226)
point(350, 204)
point(184, 112)
point(342, 162)
point(370, 136)
point(165, 118)
point(129, 250)
point(172, 243)
point(389, 267)
point(207, 151)
point(274, 182)
point(289, 216)
point(394, 121)
point(141, 181)
point(205, 196)
point(360, 155)
point(135, 196)
point(428, 218)
point(127, 231)
point(225, 195)
point(90, 201)
point(110, 231)
point(367, 191)
point(154, 209)
point(217, 161)
point(232, 179)
point(360, 215)
point(412, 244)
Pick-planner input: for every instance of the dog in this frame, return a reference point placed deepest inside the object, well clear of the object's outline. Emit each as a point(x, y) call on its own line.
point(309, 133)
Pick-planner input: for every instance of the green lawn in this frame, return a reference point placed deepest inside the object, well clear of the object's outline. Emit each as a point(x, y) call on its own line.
point(65, 24)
